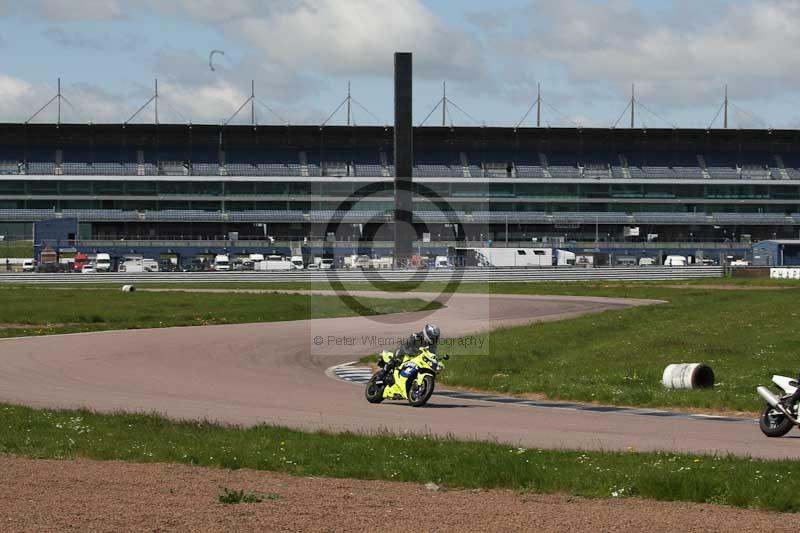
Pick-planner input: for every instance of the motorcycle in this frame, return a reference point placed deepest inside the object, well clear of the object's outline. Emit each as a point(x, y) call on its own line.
point(778, 417)
point(413, 379)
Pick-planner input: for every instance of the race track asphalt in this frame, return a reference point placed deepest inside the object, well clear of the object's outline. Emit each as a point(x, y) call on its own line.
point(275, 373)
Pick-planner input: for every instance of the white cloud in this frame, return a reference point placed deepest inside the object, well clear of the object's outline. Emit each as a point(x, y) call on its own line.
point(342, 38)
point(92, 41)
point(61, 10)
point(681, 56)
point(20, 99)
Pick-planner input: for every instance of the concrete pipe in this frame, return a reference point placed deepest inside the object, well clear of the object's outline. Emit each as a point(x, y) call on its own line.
point(688, 376)
point(128, 288)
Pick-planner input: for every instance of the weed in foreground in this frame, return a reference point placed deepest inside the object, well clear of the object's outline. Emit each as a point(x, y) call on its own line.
point(230, 496)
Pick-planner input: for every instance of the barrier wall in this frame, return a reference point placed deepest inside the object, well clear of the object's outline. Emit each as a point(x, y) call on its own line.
point(784, 273)
point(355, 276)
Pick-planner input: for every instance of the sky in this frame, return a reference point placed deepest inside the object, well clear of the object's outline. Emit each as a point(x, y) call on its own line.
point(301, 55)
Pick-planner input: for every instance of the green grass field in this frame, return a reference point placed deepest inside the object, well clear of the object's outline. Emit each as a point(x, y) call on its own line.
point(612, 358)
point(453, 464)
point(618, 357)
point(21, 249)
point(46, 310)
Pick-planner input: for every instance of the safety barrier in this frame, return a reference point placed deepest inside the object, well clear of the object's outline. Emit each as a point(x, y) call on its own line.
point(654, 273)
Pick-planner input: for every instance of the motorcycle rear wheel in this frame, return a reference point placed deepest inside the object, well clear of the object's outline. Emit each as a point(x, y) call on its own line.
point(773, 423)
point(418, 395)
point(374, 392)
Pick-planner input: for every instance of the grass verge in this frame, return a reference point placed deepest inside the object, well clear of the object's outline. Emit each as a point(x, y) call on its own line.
point(43, 310)
point(618, 357)
point(740, 482)
point(20, 249)
point(615, 357)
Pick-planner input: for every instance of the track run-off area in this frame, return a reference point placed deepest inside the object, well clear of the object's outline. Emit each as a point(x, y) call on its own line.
point(275, 373)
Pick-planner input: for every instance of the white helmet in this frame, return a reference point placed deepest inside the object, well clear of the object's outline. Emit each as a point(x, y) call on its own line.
point(431, 333)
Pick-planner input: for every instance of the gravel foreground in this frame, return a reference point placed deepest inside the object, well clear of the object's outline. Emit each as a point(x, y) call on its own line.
point(84, 495)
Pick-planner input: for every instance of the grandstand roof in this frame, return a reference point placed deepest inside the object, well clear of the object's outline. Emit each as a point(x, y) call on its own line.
point(143, 136)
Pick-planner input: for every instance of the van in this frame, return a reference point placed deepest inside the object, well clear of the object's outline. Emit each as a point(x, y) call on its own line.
point(381, 263)
point(222, 262)
point(102, 262)
point(442, 262)
point(675, 261)
point(647, 261)
point(150, 265)
point(27, 265)
point(326, 263)
point(297, 262)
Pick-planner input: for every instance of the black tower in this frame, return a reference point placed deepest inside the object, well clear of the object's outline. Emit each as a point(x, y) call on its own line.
point(404, 233)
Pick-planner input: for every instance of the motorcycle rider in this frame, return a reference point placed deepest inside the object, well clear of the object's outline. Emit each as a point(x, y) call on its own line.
point(428, 337)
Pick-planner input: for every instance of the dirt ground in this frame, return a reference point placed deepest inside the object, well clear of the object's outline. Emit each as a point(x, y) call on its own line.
point(84, 495)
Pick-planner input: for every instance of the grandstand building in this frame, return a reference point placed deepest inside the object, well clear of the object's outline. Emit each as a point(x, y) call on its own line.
point(335, 183)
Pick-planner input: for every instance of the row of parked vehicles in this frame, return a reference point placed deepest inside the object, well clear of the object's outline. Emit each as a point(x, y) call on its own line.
point(466, 257)
point(226, 263)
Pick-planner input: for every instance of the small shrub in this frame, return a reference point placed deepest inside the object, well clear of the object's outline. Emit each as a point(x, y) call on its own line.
point(229, 496)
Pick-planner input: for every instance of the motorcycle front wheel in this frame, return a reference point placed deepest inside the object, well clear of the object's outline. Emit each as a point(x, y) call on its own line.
point(419, 394)
point(773, 423)
point(374, 391)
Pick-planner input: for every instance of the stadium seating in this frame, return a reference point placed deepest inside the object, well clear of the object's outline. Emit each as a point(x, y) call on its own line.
point(437, 170)
point(173, 168)
point(530, 171)
point(9, 167)
point(76, 169)
point(205, 169)
point(359, 162)
point(368, 170)
point(35, 167)
point(563, 171)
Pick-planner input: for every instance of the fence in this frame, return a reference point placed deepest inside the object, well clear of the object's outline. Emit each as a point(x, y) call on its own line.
point(653, 273)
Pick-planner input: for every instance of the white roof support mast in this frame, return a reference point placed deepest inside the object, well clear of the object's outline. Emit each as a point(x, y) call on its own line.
point(154, 99)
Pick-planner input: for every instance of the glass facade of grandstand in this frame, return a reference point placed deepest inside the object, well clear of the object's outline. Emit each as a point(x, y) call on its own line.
point(137, 180)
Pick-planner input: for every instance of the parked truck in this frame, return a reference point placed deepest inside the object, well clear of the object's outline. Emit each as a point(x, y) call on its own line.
point(79, 261)
point(564, 258)
point(442, 262)
point(675, 261)
point(102, 262)
point(131, 266)
point(507, 257)
point(222, 263)
point(381, 263)
point(274, 262)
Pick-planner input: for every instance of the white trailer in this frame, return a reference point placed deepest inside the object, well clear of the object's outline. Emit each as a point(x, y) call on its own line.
point(510, 257)
point(381, 263)
point(565, 258)
point(131, 266)
point(357, 261)
point(274, 262)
